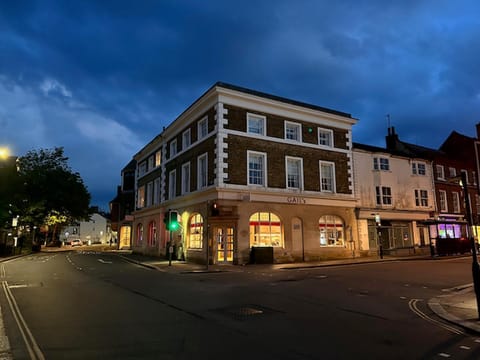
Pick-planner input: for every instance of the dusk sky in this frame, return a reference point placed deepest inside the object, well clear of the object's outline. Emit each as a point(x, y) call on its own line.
point(101, 78)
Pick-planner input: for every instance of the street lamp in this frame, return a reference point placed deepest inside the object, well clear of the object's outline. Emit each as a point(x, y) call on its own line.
point(4, 153)
point(475, 265)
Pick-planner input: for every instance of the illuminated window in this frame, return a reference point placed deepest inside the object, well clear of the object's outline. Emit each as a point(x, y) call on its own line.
point(141, 197)
point(196, 232)
point(265, 230)
point(139, 234)
point(152, 233)
point(158, 158)
point(331, 231)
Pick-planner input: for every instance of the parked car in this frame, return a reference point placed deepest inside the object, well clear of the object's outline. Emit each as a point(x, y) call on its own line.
point(76, 242)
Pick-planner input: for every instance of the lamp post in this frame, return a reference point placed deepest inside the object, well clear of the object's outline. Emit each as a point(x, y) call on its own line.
point(475, 265)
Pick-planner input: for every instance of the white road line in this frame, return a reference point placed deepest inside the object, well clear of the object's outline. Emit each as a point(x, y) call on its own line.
point(104, 261)
point(463, 347)
point(2, 271)
point(17, 286)
point(412, 304)
point(444, 355)
point(32, 346)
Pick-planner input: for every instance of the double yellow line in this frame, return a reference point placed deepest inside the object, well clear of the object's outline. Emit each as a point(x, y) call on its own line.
point(32, 346)
point(412, 304)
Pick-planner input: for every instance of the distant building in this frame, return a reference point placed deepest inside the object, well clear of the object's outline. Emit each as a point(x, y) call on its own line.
point(95, 231)
point(122, 207)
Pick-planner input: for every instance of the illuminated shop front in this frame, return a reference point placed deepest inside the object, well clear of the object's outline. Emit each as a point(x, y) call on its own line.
point(265, 230)
point(331, 231)
point(448, 237)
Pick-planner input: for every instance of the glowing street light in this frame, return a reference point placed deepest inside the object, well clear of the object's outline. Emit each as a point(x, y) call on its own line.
point(4, 153)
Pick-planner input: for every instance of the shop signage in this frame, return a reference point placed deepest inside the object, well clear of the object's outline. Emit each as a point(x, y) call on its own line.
point(296, 200)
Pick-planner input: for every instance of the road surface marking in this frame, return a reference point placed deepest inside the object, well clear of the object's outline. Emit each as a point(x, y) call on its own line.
point(463, 347)
point(17, 286)
point(104, 261)
point(32, 346)
point(2, 271)
point(444, 355)
point(412, 304)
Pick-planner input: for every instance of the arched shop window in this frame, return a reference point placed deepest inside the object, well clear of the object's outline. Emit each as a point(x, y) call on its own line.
point(196, 232)
point(139, 234)
point(152, 233)
point(265, 229)
point(331, 231)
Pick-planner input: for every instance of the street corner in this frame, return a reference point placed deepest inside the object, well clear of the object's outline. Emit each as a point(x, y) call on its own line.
point(458, 306)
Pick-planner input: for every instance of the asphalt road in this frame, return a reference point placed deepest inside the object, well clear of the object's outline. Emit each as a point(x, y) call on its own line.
point(87, 305)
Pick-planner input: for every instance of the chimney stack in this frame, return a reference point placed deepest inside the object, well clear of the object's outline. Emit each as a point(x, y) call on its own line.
point(391, 139)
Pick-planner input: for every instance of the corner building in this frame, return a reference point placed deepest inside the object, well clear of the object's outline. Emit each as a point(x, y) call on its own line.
point(254, 178)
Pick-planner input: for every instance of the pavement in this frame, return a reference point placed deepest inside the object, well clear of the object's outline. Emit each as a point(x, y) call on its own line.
point(458, 305)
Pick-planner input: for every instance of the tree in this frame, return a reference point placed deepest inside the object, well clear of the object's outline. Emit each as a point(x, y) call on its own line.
point(52, 193)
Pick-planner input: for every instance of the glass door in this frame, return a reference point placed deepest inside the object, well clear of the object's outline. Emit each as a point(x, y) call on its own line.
point(224, 240)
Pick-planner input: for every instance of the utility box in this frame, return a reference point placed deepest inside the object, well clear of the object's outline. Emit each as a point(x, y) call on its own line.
point(261, 255)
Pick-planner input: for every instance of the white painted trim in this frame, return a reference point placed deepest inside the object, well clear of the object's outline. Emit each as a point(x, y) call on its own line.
point(287, 122)
point(330, 132)
point(301, 180)
point(283, 141)
point(283, 109)
point(184, 191)
point(174, 172)
point(204, 119)
point(334, 180)
point(260, 117)
point(204, 155)
point(265, 167)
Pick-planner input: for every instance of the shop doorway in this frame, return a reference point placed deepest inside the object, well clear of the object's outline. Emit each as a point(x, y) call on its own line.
point(224, 238)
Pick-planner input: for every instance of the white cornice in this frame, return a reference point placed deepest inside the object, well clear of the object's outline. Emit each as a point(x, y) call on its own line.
point(283, 109)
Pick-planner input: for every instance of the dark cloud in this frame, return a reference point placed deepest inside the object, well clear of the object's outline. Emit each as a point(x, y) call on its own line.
point(72, 71)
